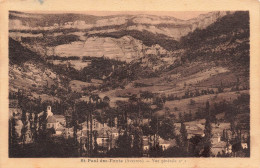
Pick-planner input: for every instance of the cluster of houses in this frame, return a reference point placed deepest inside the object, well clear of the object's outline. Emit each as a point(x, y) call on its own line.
point(219, 146)
point(105, 136)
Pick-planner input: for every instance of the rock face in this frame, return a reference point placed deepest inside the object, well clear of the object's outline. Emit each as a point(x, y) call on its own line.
point(125, 48)
point(97, 36)
point(169, 26)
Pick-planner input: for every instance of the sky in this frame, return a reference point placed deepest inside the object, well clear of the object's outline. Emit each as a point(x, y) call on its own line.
point(178, 15)
point(184, 15)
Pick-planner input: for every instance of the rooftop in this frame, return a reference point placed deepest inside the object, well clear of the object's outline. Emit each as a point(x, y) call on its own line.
point(51, 119)
point(59, 116)
point(220, 144)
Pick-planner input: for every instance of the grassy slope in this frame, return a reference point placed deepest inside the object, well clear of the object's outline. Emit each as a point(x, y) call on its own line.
point(200, 101)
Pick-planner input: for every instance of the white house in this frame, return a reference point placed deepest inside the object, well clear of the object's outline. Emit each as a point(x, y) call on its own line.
point(54, 121)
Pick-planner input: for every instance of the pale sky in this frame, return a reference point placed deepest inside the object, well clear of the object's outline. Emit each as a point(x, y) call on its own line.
point(177, 14)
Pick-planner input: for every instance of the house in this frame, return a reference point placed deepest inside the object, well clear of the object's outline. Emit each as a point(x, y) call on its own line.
point(145, 144)
point(60, 119)
point(216, 138)
point(54, 121)
point(220, 147)
point(106, 136)
point(103, 141)
point(102, 138)
point(49, 112)
point(67, 133)
point(165, 144)
point(96, 125)
point(60, 130)
point(114, 132)
point(228, 149)
point(194, 130)
point(145, 121)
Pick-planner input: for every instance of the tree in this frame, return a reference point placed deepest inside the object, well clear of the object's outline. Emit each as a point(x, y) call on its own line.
point(110, 115)
point(124, 145)
point(192, 102)
point(95, 150)
point(207, 108)
point(138, 143)
point(146, 130)
point(106, 100)
point(36, 122)
point(207, 132)
point(167, 129)
point(89, 111)
point(196, 146)
point(23, 118)
point(154, 127)
point(175, 152)
point(232, 127)
point(180, 117)
point(184, 135)
point(224, 135)
point(237, 84)
point(190, 116)
point(159, 102)
point(44, 120)
point(220, 88)
point(31, 120)
point(207, 138)
point(24, 128)
point(75, 125)
point(186, 116)
point(166, 112)
point(13, 137)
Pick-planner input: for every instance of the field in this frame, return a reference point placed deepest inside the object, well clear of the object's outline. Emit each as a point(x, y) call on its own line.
point(184, 105)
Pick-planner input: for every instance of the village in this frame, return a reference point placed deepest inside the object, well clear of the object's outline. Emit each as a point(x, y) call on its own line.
point(92, 136)
point(129, 85)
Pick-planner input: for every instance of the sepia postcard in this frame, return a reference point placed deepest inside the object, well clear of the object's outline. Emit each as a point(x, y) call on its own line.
point(130, 83)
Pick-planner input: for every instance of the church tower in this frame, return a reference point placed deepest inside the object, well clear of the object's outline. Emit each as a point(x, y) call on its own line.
point(49, 113)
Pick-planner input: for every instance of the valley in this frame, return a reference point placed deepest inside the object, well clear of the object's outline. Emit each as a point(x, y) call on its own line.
point(135, 69)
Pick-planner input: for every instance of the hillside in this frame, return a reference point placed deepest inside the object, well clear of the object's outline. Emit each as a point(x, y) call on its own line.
point(29, 72)
point(135, 61)
point(226, 40)
point(15, 56)
point(205, 58)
